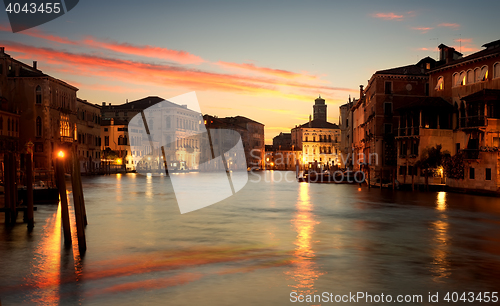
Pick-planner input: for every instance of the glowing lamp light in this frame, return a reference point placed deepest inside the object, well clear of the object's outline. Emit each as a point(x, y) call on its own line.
point(60, 154)
point(272, 164)
point(119, 161)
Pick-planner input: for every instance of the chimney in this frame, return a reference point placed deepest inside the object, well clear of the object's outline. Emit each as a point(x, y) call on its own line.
point(310, 121)
point(127, 101)
point(2, 49)
point(109, 104)
point(34, 64)
point(360, 91)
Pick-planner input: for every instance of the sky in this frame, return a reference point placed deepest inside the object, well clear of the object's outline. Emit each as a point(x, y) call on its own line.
point(266, 60)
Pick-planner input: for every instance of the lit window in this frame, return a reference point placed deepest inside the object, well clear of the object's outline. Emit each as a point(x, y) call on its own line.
point(64, 128)
point(483, 76)
point(440, 85)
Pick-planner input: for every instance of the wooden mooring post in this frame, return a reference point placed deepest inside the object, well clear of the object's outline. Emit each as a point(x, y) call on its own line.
point(13, 188)
point(29, 188)
point(61, 186)
point(7, 189)
point(79, 203)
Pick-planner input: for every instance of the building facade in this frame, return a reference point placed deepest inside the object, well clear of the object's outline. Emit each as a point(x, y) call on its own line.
point(88, 143)
point(318, 139)
point(46, 106)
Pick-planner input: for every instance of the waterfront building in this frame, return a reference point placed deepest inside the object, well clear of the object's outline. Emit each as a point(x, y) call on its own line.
point(471, 85)
point(375, 123)
point(346, 133)
point(251, 132)
point(318, 139)
point(46, 107)
point(88, 143)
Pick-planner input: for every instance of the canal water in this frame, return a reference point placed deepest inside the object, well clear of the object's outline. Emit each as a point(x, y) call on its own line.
point(272, 239)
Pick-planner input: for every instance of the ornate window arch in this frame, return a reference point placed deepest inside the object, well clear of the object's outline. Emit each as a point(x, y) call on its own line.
point(470, 77)
point(496, 70)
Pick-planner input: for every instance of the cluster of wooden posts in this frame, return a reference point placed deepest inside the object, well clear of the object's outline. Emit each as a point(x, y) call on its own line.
point(13, 206)
point(78, 200)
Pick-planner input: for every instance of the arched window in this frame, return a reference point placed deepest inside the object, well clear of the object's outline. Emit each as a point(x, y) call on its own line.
point(38, 95)
point(483, 76)
point(1, 123)
point(440, 83)
point(17, 126)
point(125, 140)
point(120, 140)
point(8, 124)
point(38, 127)
point(455, 79)
point(496, 70)
point(470, 77)
point(462, 78)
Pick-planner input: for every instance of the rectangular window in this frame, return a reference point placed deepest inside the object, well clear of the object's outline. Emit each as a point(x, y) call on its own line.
point(488, 174)
point(105, 129)
point(472, 173)
point(388, 88)
point(457, 148)
point(106, 141)
point(426, 89)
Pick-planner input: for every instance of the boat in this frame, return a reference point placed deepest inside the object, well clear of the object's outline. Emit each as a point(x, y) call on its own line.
point(42, 193)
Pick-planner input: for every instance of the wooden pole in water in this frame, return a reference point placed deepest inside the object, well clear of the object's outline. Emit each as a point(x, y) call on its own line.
point(29, 189)
point(79, 203)
point(13, 186)
point(393, 179)
point(381, 173)
point(61, 186)
point(7, 189)
point(368, 176)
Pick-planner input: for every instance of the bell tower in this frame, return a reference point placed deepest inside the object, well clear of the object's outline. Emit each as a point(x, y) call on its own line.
point(319, 109)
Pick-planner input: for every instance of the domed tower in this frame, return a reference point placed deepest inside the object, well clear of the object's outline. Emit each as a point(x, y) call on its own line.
point(319, 109)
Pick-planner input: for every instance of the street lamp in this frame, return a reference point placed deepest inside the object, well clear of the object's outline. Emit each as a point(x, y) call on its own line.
point(60, 154)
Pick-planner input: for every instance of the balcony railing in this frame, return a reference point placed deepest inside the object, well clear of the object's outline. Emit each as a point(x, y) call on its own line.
point(472, 121)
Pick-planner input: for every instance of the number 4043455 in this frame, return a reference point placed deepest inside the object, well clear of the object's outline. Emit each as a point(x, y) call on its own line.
point(32, 8)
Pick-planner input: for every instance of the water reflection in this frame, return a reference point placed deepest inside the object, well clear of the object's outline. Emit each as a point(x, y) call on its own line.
point(45, 276)
point(305, 271)
point(440, 264)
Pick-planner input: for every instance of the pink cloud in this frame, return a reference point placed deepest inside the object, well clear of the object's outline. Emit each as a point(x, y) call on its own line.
point(33, 32)
point(422, 30)
point(264, 70)
point(139, 73)
point(388, 16)
point(182, 57)
point(449, 25)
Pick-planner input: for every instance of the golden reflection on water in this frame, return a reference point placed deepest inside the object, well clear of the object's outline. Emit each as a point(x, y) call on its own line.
point(46, 266)
point(441, 264)
point(305, 271)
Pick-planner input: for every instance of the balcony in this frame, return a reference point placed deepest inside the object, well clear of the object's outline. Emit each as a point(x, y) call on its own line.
point(409, 131)
point(472, 122)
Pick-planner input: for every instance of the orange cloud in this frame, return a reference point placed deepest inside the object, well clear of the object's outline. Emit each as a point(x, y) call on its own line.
point(264, 70)
point(423, 30)
point(182, 57)
point(166, 75)
point(449, 25)
point(464, 40)
point(388, 16)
